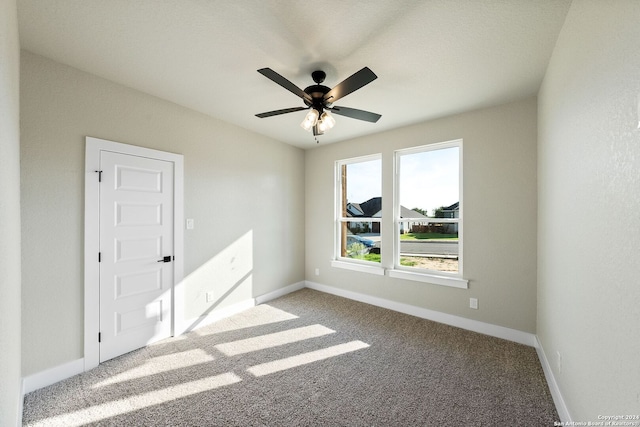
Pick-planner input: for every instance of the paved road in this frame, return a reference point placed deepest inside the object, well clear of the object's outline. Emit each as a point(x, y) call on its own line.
point(427, 247)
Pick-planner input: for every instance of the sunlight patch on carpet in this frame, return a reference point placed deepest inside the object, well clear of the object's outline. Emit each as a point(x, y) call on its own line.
point(258, 316)
point(273, 340)
point(158, 365)
point(133, 403)
point(305, 358)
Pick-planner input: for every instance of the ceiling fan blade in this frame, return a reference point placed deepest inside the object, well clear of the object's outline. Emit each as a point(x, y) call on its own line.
point(350, 84)
point(272, 75)
point(356, 114)
point(278, 112)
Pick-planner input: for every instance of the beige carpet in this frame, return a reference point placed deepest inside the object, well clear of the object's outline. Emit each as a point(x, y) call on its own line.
point(306, 359)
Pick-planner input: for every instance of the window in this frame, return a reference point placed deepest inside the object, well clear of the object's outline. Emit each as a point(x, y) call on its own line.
point(428, 209)
point(427, 215)
point(359, 210)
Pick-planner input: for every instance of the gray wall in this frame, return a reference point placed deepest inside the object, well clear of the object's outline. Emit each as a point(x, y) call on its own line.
point(245, 192)
point(499, 154)
point(10, 378)
point(577, 230)
point(589, 226)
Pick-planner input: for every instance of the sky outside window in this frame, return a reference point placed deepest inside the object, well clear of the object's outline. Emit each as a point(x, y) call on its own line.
point(364, 181)
point(430, 179)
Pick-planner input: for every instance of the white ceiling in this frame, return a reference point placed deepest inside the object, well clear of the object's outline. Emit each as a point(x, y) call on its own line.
point(433, 58)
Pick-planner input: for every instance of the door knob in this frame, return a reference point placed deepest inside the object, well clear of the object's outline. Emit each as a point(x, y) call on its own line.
point(165, 259)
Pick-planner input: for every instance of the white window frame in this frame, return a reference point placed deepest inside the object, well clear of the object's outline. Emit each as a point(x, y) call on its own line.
point(421, 274)
point(344, 262)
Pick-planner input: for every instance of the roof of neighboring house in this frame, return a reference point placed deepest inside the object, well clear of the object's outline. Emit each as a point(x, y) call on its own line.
point(354, 209)
point(453, 207)
point(372, 208)
point(404, 213)
point(410, 213)
point(365, 209)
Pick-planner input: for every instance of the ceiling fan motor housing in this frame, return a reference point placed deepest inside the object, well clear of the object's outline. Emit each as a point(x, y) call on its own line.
point(317, 93)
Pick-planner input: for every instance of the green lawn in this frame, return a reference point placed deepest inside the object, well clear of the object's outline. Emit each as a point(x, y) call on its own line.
point(376, 258)
point(432, 236)
point(369, 257)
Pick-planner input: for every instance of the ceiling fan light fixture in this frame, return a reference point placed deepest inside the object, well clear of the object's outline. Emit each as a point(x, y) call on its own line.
point(310, 120)
point(326, 122)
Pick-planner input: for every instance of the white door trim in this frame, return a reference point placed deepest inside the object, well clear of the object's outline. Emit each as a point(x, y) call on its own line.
point(92, 237)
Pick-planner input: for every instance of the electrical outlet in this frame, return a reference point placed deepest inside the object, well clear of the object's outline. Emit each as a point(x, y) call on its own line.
point(209, 296)
point(317, 271)
point(473, 303)
point(559, 361)
point(190, 224)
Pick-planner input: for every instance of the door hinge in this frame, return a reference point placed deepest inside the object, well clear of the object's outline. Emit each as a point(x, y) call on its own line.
point(99, 337)
point(99, 256)
point(99, 175)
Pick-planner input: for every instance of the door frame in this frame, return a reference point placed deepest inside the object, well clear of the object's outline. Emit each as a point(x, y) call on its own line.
point(94, 146)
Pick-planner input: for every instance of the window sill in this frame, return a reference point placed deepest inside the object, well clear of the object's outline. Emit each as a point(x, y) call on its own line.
point(372, 269)
point(455, 282)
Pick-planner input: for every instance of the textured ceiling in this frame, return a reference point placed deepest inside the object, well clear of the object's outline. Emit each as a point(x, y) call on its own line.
point(432, 58)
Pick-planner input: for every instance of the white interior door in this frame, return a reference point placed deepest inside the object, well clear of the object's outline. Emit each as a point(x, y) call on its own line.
point(136, 252)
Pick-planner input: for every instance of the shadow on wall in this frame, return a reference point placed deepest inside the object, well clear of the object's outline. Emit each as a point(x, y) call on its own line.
point(223, 280)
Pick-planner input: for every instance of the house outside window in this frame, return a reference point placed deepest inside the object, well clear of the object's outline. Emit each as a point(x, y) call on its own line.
point(358, 209)
point(427, 211)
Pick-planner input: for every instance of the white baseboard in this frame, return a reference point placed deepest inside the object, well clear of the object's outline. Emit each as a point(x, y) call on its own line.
point(460, 322)
point(236, 308)
point(558, 400)
point(52, 376)
point(67, 370)
point(448, 319)
point(280, 292)
point(214, 316)
point(59, 373)
point(20, 404)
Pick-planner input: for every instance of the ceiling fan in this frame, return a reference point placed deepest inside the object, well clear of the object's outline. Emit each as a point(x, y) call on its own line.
point(319, 99)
